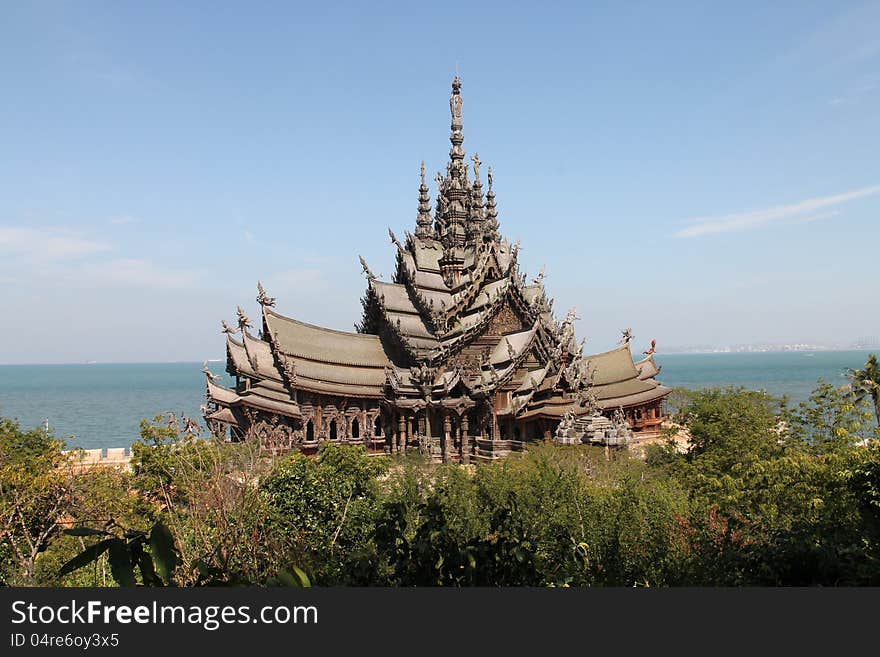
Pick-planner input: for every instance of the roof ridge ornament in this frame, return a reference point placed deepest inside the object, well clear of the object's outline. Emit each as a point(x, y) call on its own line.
point(207, 372)
point(395, 241)
point(227, 328)
point(539, 279)
point(625, 336)
point(243, 321)
point(262, 298)
point(370, 275)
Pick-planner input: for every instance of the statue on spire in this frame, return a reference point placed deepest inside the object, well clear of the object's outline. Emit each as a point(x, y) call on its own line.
point(455, 101)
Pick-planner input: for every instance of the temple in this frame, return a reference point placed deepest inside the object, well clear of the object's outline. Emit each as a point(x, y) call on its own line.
point(459, 355)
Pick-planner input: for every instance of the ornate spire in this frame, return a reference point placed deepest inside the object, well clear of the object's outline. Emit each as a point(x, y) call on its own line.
point(456, 185)
point(424, 222)
point(476, 213)
point(490, 225)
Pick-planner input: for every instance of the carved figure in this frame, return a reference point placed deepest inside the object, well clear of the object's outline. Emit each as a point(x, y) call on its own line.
point(262, 298)
point(370, 275)
point(243, 321)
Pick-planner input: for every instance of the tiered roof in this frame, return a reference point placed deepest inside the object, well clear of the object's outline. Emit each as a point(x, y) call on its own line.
point(457, 324)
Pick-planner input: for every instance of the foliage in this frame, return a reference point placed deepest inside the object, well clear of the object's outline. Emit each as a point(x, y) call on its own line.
point(764, 494)
point(866, 384)
point(324, 509)
point(35, 494)
point(153, 554)
point(832, 419)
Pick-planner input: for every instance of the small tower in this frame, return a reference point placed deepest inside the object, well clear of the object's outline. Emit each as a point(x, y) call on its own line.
point(490, 225)
point(424, 222)
point(476, 213)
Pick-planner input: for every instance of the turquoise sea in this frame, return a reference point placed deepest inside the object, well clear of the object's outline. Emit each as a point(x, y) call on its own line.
point(98, 405)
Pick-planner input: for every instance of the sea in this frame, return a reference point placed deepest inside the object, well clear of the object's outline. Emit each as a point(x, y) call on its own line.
point(101, 405)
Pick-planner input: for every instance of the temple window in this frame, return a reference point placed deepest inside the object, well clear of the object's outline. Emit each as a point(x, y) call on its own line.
point(333, 430)
point(355, 429)
point(310, 431)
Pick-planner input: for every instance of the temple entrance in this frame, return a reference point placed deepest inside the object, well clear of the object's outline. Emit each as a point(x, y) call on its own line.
point(332, 429)
point(355, 429)
point(310, 432)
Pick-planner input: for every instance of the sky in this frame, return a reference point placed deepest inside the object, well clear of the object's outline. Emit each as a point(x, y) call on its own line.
point(704, 173)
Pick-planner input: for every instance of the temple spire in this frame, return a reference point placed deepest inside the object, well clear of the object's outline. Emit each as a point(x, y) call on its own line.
point(490, 225)
point(456, 185)
point(424, 222)
point(476, 214)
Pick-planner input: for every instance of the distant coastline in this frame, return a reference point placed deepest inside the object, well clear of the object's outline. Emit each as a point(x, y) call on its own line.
point(768, 349)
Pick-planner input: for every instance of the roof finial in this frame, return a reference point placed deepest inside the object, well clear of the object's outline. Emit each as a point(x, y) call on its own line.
point(370, 275)
point(424, 222)
point(540, 278)
point(243, 321)
point(262, 298)
point(626, 335)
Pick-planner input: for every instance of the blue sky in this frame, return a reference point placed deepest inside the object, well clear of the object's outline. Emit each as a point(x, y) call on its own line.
point(706, 174)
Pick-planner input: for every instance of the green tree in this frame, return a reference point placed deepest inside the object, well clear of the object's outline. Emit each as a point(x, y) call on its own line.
point(324, 511)
point(831, 419)
point(866, 383)
point(35, 493)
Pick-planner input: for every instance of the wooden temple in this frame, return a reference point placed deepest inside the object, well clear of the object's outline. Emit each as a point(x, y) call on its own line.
point(459, 355)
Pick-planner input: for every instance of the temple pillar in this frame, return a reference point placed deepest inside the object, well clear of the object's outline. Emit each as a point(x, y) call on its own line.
point(465, 440)
point(401, 433)
point(409, 429)
point(444, 441)
point(429, 434)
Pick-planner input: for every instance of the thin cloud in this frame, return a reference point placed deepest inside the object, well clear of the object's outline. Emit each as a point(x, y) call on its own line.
point(136, 272)
point(123, 220)
point(815, 217)
point(47, 243)
point(760, 218)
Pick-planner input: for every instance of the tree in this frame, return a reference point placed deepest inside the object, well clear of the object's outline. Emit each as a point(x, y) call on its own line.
point(35, 494)
point(866, 383)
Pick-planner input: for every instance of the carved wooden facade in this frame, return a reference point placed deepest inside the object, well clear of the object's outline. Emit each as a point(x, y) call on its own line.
point(457, 355)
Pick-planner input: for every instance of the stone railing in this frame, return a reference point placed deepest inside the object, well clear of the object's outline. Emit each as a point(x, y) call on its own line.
point(82, 459)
